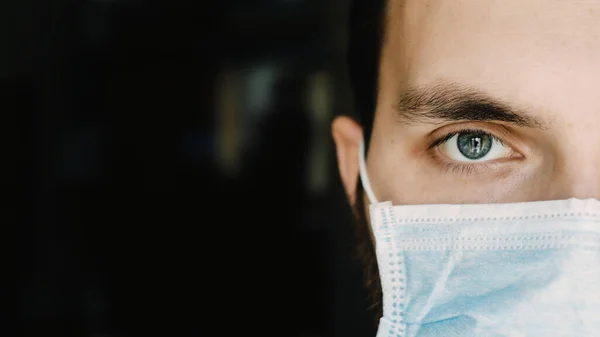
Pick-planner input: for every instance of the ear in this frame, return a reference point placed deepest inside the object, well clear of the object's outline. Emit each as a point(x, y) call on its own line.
point(347, 135)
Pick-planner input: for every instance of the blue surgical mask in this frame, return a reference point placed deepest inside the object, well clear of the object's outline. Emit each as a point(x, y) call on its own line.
point(520, 269)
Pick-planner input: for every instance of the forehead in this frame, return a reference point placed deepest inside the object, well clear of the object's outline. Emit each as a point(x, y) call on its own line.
point(519, 49)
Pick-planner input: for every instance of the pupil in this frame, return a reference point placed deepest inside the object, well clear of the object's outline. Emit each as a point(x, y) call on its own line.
point(474, 145)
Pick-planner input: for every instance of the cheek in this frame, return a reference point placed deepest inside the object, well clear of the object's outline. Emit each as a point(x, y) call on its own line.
point(421, 184)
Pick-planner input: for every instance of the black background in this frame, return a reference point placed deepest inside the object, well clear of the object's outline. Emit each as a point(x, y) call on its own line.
point(179, 177)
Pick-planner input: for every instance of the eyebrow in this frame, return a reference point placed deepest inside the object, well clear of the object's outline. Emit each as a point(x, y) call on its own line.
point(455, 102)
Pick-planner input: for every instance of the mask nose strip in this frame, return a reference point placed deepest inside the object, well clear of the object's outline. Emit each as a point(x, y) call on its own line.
point(364, 177)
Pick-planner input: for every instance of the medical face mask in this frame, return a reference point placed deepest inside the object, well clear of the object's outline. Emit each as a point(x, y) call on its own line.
point(520, 269)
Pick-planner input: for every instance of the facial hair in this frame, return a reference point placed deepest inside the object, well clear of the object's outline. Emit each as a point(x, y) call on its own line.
point(366, 253)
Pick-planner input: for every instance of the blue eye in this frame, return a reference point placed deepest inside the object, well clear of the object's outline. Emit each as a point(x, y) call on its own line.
point(473, 146)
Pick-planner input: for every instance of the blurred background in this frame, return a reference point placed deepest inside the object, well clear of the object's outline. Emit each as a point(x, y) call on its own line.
point(178, 168)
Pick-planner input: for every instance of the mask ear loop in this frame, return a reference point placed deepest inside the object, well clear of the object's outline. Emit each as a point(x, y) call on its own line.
point(364, 177)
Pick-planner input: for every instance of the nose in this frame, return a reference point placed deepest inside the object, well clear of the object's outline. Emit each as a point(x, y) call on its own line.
point(577, 176)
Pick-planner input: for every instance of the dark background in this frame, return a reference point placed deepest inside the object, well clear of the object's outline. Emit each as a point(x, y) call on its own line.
point(177, 169)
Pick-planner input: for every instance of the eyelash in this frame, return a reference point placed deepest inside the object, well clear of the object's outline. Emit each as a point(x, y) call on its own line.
point(438, 142)
point(460, 168)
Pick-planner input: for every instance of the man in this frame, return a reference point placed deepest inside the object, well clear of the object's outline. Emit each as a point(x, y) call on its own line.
point(480, 121)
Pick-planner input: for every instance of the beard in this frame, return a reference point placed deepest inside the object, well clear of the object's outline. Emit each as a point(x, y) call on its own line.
point(366, 253)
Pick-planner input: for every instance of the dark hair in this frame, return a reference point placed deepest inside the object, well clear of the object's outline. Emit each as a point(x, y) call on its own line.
point(365, 40)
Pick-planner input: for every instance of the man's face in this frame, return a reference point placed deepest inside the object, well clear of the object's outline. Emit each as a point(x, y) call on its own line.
point(483, 101)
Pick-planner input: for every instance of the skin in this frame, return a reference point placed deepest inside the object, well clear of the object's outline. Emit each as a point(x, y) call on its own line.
point(540, 58)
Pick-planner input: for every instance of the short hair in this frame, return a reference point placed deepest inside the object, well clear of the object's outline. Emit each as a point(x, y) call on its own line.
point(365, 41)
